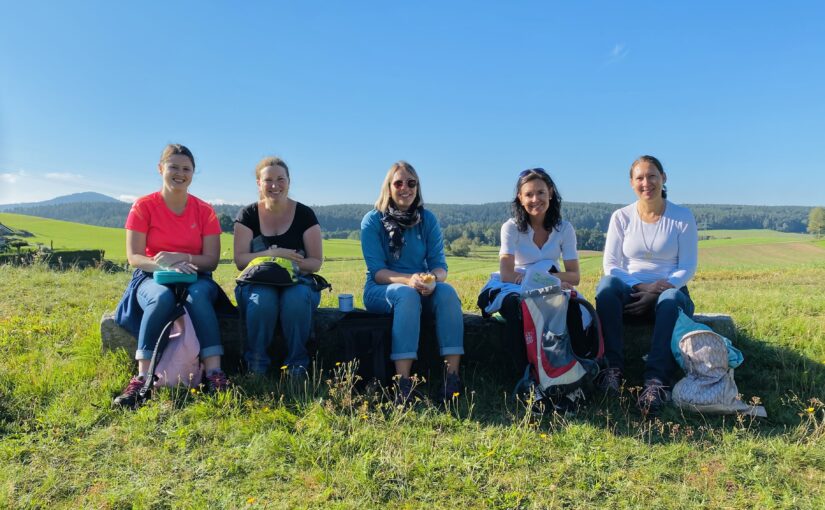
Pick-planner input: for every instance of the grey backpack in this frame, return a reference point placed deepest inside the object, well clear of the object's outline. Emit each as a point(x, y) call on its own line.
point(708, 385)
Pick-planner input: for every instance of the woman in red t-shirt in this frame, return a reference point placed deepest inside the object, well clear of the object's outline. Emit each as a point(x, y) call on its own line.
point(172, 230)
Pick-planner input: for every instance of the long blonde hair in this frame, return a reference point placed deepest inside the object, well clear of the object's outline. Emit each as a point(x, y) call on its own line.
point(384, 198)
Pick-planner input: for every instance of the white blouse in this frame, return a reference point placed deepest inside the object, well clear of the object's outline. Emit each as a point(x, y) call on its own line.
point(560, 245)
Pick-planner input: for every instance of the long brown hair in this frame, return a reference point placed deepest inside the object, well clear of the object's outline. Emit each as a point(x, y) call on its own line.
point(552, 218)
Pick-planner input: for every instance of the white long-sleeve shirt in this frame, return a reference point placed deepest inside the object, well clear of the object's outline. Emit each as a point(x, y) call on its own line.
point(638, 252)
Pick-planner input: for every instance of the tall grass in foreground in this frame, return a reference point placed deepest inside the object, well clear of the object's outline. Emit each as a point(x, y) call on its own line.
point(272, 444)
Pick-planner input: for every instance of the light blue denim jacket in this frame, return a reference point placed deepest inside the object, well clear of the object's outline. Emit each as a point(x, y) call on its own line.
point(423, 246)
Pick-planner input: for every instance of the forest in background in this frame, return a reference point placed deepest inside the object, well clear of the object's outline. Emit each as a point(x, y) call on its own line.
point(463, 225)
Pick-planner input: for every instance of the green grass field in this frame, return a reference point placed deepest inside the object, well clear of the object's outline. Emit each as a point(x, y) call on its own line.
point(268, 445)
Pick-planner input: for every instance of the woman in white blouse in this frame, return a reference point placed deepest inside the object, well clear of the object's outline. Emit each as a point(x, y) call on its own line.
point(536, 232)
point(536, 236)
point(650, 255)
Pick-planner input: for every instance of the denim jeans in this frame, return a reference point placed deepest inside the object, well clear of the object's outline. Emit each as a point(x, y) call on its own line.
point(260, 307)
point(611, 297)
point(406, 305)
point(158, 302)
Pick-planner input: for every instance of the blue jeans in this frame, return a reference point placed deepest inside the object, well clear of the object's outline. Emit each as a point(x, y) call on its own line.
point(260, 307)
point(158, 303)
point(406, 305)
point(611, 296)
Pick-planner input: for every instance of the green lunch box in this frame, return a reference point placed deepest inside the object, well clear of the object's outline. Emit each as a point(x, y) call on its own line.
point(167, 277)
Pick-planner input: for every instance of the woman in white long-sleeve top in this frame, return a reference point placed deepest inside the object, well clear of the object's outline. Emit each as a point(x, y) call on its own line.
point(650, 255)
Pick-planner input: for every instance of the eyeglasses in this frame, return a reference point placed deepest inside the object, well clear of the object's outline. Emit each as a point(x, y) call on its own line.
point(411, 183)
point(532, 171)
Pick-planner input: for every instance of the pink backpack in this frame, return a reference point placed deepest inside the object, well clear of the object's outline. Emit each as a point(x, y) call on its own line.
point(180, 362)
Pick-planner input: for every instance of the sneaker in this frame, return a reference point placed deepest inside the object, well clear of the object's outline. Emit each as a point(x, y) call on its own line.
point(452, 387)
point(653, 397)
point(130, 397)
point(541, 404)
point(216, 382)
point(569, 404)
point(298, 374)
point(609, 380)
point(566, 405)
point(403, 391)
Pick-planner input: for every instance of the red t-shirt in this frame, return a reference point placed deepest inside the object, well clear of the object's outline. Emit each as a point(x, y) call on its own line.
point(167, 231)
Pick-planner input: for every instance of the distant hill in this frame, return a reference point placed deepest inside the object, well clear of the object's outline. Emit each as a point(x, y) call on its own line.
point(478, 223)
point(86, 196)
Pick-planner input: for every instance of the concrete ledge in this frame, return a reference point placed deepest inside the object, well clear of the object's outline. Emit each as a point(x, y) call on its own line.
point(483, 338)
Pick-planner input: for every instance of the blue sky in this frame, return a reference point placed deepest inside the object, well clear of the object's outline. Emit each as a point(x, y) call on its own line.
point(729, 95)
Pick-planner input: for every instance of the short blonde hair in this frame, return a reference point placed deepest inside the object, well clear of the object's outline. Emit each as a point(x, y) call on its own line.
point(384, 198)
point(270, 161)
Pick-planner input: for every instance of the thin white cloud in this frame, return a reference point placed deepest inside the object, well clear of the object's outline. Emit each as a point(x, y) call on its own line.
point(618, 53)
point(9, 178)
point(64, 176)
point(127, 198)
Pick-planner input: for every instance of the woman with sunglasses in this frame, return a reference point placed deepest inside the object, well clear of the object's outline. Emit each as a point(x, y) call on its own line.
point(172, 230)
point(649, 256)
point(277, 226)
point(535, 237)
point(406, 272)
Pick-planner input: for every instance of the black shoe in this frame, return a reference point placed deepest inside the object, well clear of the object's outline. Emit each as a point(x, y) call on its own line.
point(569, 404)
point(403, 387)
point(653, 397)
point(217, 382)
point(566, 405)
point(131, 397)
point(452, 387)
point(609, 381)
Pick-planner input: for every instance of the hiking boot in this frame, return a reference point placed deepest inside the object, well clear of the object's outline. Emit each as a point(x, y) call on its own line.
point(609, 380)
point(452, 387)
point(130, 397)
point(403, 391)
point(653, 397)
point(216, 382)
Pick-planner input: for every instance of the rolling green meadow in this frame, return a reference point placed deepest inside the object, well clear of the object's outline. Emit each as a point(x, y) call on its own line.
point(269, 443)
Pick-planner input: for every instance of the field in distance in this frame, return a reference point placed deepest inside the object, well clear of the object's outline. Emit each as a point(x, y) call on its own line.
point(721, 250)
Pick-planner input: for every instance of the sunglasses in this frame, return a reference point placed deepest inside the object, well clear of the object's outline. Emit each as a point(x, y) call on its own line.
point(532, 171)
point(411, 183)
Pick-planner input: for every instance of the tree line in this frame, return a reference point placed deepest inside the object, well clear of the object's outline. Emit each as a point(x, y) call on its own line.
point(474, 224)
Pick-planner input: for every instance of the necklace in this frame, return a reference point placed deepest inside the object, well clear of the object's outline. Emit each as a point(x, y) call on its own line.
point(649, 248)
